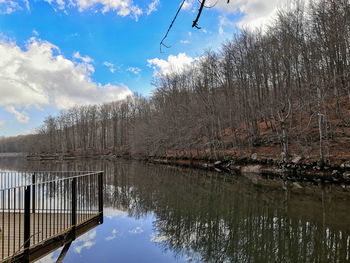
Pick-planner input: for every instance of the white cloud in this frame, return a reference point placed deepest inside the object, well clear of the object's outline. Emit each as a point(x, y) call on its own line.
point(112, 236)
point(30, 131)
point(2, 123)
point(121, 7)
point(137, 230)
point(8, 6)
point(155, 237)
point(174, 63)
point(152, 7)
point(85, 62)
point(112, 212)
point(35, 33)
point(19, 116)
point(110, 66)
point(256, 13)
point(224, 22)
point(27, 4)
point(184, 41)
point(134, 70)
point(40, 76)
point(50, 258)
point(61, 4)
point(85, 241)
point(136, 12)
point(85, 59)
point(188, 4)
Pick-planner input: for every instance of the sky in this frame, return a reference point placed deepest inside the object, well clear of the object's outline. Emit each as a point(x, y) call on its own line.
point(55, 54)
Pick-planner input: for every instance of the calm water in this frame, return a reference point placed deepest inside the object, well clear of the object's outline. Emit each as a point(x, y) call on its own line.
point(168, 214)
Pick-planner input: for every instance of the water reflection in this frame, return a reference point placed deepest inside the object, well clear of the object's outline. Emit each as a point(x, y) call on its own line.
point(200, 217)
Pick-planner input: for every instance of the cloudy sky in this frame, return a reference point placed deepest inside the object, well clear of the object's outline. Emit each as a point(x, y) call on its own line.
point(58, 53)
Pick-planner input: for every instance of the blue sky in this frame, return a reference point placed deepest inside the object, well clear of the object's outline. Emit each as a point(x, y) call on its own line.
point(58, 53)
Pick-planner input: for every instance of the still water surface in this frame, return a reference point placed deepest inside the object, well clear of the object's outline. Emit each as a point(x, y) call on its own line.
point(156, 213)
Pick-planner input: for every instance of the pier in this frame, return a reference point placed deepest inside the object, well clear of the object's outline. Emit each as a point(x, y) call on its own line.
point(42, 211)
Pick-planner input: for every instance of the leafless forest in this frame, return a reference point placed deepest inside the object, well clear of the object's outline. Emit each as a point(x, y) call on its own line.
point(279, 91)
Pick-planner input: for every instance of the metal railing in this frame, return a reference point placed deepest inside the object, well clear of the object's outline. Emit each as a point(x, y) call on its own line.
point(37, 206)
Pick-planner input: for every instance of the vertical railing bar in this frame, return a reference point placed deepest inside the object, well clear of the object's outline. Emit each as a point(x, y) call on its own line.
point(20, 217)
point(60, 212)
point(64, 206)
point(3, 222)
point(54, 209)
point(50, 208)
point(92, 193)
point(83, 186)
point(96, 192)
point(74, 203)
point(27, 222)
point(42, 211)
point(33, 192)
point(46, 208)
point(100, 196)
point(56, 205)
point(14, 219)
point(37, 213)
point(8, 221)
point(86, 198)
point(79, 199)
point(89, 195)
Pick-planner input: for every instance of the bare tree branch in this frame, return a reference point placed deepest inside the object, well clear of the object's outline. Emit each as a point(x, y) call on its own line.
point(171, 25)
point(195, 22)
point(199, 14)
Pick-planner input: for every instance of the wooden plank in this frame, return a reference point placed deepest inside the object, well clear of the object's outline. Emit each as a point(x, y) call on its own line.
point(44, 227)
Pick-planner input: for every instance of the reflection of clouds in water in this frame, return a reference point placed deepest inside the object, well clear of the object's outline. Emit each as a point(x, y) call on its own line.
point(155, 237)
point(112, 212)
point(137, 230)
point(85, 241)
point(50, 258)
point(113, 236)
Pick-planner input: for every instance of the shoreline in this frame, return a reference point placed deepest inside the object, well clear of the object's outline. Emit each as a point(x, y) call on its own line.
point(295, 170)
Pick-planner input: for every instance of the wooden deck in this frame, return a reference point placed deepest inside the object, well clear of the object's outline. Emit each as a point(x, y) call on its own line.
point(42, 211)
point(45, 228)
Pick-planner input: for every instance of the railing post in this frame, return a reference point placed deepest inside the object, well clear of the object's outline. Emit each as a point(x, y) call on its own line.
point(74, 202)
point(100, 196)
point(33, 193)
point(26, 223)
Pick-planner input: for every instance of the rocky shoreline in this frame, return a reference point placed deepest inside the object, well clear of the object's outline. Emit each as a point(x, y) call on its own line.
point(292, 171)
point(295, 170)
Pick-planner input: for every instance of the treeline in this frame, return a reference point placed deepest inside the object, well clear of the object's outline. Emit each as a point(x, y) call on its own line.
point(287, 83)
point(18, 144)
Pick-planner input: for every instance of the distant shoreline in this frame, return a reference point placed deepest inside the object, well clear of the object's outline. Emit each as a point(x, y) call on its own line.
point(13, 155)
point(295, 170)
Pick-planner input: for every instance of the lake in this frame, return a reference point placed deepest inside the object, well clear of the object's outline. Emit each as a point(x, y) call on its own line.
point(158, 213)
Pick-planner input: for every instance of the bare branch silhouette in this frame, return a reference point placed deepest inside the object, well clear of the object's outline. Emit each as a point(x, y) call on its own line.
point(195, 22)
point(171, 25)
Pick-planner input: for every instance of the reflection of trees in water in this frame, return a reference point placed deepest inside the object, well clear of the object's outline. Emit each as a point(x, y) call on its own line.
point(214, 221)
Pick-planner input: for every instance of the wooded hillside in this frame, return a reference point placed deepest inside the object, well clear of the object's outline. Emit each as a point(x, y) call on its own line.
point(279, 91)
